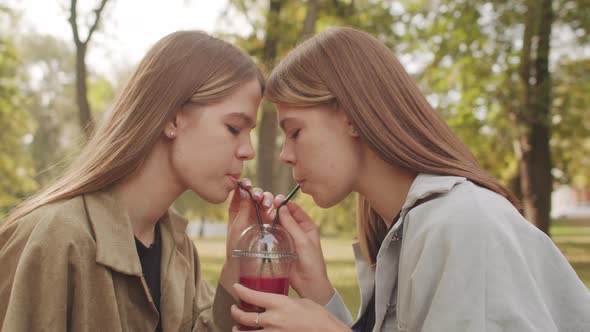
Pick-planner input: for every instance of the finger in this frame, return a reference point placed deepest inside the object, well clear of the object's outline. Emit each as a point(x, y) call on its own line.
point(267, 200)
point(278, 199)
point(259, 299)
point(246, 183)
point(242, 215)
point(238, 196)
point(298, 213)
point(292, 227)
point(244, 318)
point(275, 204)
point(257, 194)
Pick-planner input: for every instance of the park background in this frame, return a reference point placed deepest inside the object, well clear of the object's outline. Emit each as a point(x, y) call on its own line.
point(512, 78)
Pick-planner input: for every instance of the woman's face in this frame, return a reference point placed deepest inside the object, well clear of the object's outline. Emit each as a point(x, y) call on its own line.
point(210, 143)
point(323, 150)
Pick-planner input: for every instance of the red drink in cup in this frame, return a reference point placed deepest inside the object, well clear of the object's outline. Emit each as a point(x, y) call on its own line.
point(265, 259)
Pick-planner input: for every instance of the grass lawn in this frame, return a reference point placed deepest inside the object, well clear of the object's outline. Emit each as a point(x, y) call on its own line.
point(573, 241)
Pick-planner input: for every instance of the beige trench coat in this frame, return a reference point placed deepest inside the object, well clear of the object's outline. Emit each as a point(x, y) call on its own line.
point(73, 266)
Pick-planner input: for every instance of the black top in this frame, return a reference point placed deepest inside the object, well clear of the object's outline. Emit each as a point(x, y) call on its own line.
point(150, 265)
point(367, 322)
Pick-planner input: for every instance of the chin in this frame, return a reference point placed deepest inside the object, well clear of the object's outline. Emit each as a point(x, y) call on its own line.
point(325, 202)
point(218, 199)
point(213, 196)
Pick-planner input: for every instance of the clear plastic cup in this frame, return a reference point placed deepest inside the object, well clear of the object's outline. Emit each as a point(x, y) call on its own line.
point(265, 257)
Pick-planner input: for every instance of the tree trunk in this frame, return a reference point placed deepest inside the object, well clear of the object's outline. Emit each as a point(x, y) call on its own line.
point(285, 181)
point(81, 73)
point(86, 122)
point(267, 136)
point(534, 120)
point(267, 132)
point(311, 17)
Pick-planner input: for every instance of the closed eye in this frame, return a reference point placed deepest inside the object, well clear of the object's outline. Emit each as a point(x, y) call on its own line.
point(233, 130)
point(295, 134)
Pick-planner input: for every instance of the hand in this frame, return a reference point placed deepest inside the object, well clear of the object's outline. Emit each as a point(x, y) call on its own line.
point(242, 215)
point(308, 275)
point(284, 313)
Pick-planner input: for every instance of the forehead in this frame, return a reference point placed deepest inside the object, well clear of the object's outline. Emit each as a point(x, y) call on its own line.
point(313, 114)
point(242, 103)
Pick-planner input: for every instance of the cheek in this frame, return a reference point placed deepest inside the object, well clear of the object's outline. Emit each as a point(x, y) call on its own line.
point(332, 158)
point(331, 167)
point(201, 155)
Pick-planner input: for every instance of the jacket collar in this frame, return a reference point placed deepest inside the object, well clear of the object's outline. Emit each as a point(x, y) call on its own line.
point(424, 185)
point(115, 242)
point(115, 248)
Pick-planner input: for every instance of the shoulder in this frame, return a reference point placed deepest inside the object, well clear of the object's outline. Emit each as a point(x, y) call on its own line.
point(178, 226)
point(468, 210)
point(56, 225)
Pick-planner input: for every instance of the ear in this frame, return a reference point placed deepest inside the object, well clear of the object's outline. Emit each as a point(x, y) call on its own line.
point(352, 131)
point(171, 128)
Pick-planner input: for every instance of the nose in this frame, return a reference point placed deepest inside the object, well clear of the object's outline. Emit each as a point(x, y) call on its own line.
point(246, 151)
point(287, 156)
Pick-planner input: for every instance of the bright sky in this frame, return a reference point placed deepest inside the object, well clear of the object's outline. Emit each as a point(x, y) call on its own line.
point(130, 26)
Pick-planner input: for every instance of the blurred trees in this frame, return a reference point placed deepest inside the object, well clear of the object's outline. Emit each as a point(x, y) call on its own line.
point(532, 119)
point(277, 27)
point(570, 142)
point(486, 67)
point(512, 78)
point(38, 114)
point(16, 163)
point(47, 64)
point(81, 44)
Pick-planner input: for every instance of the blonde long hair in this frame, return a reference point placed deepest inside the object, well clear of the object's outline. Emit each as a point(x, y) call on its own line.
point(360, 75)
point(182, 67)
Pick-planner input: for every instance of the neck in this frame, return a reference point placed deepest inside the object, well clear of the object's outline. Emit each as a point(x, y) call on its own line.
point(148, 194)
point(385, 186)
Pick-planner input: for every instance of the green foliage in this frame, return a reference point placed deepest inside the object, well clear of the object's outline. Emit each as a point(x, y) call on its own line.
point(464, 55)
point(571, 123)
point(16, 164)
point(469, 77)
point(471, 53)
point(372, 16)
point(48, 65)
point(37, 107)
point(194, 208)
point(339, 220)
point(101, 94)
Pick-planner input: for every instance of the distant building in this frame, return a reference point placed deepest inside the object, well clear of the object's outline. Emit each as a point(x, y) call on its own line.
point(570, 203)
point(206, 228)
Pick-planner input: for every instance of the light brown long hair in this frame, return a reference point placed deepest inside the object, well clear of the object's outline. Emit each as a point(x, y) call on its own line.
point(182, 67)
point(360, 75)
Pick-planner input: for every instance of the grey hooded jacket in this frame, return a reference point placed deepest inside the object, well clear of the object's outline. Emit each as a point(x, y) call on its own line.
point(466, 260)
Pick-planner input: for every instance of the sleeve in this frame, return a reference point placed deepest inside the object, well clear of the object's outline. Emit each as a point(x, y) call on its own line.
point(479, 276)
point(38, 293)
point(221, 309)
point(337, 307)
point(211, 308)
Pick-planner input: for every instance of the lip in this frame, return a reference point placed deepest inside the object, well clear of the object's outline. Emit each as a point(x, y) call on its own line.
point(300, 182)
point(235, 177)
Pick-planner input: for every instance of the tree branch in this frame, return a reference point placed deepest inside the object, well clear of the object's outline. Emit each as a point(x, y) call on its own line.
point(73, 21)
point(97, 11)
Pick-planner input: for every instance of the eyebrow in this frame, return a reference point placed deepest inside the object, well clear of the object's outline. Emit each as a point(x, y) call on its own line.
point(284, 121)
point(249, 121)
